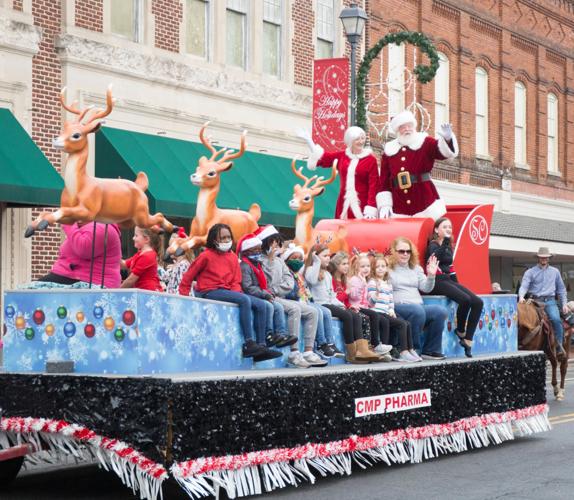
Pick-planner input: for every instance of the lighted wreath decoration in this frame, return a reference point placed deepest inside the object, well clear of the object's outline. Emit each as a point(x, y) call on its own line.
point(424, 73)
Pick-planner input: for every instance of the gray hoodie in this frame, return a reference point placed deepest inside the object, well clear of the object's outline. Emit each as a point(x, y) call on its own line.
point(321, 290)
point(280, 281)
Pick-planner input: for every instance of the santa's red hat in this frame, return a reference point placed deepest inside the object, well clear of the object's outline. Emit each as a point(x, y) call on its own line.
point(246, 242)
point(266, 231)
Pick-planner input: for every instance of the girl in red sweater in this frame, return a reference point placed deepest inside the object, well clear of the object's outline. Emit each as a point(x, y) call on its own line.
point(218, 277)
point(143, 265)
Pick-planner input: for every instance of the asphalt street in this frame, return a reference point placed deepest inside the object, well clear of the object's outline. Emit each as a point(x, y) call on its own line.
point(527, 468)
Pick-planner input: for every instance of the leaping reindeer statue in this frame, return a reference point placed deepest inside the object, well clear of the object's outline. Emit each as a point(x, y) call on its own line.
point(207, 177)
point(86, 198)
point(303, 202)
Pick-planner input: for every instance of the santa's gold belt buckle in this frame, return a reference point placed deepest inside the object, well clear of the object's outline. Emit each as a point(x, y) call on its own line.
point(404, 180)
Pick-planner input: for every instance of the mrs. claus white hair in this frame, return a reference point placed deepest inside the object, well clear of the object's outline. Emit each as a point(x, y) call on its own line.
point(353, 133)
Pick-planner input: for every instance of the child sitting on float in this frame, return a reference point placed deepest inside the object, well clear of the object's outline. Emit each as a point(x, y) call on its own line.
point(218, 277)
point(359, 272)
point(269, 314)
point(294, 258)
point(174, 273)
point(281, 283)
point(380, 295)
point(339, 268)
point(143, 266)
point(320, 283)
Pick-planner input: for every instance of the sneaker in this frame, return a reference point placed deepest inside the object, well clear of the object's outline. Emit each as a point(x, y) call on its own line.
point(250, 349)
point(265, 354)
point(314, 359)
point(382, 348)
point(338, 353)
point(436, 356)
point(326, 351)
point(273, 339)
point(405, 358)
point(415, 355)
point(386, 358)
point(395, 354)
point(288, 340)
point(296, 360)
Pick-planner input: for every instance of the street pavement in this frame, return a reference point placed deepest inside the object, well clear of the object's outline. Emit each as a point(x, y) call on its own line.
point(536, 467)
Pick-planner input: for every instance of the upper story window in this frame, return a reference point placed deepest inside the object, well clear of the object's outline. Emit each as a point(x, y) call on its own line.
point(272, 20)
point(196, 27)
point(441, 92)
point(236, 33)
point(552, 105)
point(481, 111)
point(396, 79)
point(127, 19)
point(519, 123)
point(325, 29)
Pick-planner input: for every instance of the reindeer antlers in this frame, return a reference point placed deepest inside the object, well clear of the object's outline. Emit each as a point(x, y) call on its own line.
point(227, 154)
point(318, 182)
point(72, 108)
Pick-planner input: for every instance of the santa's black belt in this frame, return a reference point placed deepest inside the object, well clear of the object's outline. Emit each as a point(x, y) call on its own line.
point(405, 180)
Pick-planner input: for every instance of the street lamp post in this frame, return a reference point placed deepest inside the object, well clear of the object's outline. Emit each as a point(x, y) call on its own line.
point(353, 19)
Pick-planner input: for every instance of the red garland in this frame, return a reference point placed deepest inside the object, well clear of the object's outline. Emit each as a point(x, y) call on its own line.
point(21, 425)
point(354, 443)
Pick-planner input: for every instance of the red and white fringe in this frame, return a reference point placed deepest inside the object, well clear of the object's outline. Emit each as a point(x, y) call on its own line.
point(255, 472)
point(59, 437)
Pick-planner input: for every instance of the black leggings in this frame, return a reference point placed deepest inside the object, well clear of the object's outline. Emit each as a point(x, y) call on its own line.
point(381, 325)
point(351, 320)
point(466, 300)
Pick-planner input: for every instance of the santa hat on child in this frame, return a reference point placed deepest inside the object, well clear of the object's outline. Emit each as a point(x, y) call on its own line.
point(401, 119)
point(247, 242)
point(291, 249)
point(265, 232)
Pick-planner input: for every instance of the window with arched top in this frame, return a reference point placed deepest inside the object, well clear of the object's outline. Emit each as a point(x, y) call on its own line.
point(441, 92)
point(520, 124)
point(481, 111)
point(552, 116)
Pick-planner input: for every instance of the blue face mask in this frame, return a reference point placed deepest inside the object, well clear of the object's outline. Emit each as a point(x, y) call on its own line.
point(255, 257)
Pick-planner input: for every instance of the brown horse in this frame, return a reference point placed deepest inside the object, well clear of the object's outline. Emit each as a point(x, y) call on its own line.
point(535, 333)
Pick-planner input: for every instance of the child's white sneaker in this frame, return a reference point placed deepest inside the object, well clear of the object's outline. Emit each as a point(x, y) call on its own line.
point(406, 358)
point(296, 360)
point(382, 348)
point(414, 355)
point(314, 359)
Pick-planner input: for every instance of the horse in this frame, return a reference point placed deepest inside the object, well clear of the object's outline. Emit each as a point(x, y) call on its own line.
point(535, 333)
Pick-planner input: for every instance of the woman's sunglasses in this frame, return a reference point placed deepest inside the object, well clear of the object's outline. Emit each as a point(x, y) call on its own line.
point(404, 252)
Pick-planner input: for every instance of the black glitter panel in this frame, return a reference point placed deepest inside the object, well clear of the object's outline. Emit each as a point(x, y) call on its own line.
point(227, 417)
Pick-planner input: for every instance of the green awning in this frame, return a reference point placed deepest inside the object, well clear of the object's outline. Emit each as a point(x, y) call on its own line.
point(168, 163)
point(26, 176)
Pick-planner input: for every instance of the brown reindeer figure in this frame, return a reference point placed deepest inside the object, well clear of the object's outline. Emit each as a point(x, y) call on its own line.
point(303, 202)
point(207, 177)
point(535, 333)
point(86, 198)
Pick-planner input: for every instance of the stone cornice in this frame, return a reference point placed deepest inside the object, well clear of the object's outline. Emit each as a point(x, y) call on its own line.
point(19, 36)
point(173, 72)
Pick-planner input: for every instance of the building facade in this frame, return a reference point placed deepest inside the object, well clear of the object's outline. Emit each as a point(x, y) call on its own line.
point(505, 83)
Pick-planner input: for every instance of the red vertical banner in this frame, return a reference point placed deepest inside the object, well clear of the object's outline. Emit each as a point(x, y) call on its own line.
point(330, 102)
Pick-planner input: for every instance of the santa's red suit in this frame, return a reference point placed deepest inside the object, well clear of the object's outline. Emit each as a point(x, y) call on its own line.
point(359, 178)
point(405, 181)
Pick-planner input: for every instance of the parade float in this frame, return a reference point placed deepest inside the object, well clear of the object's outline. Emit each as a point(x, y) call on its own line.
point(159, 388)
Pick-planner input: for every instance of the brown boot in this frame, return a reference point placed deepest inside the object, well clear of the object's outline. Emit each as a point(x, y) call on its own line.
point(363, 353)
point(350, 354)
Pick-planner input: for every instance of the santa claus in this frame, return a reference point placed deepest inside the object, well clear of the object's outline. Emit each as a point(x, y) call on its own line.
point(405, 185)
point(358, 172)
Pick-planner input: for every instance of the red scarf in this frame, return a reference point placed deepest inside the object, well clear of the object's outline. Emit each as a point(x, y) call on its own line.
point(258, 270)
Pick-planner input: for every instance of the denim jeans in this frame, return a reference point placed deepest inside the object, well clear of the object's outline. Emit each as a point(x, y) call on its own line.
point(269, 317)
point(551, 309)
point(429, 317)
point(324, 325)
point(242, 300)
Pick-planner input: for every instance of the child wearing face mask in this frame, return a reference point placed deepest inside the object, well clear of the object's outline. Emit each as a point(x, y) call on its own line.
point(218, 277)
point(359, 272)
point(269, 313)
point(380, 295)
point(281, 281)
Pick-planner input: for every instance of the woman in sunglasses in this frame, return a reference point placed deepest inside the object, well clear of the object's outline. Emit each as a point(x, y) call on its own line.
point(408, 280)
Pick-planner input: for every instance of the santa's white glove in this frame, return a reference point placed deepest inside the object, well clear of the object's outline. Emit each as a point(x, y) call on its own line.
point(445, 131)
point(304, 134)
point(369, 213)
point(385, 204)
point(316, 150)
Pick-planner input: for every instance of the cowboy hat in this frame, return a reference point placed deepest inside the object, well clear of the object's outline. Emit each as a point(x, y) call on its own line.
point(543, 252)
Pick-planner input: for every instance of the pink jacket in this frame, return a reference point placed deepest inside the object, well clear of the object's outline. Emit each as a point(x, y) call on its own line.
point(75, 253)
point(358, 294)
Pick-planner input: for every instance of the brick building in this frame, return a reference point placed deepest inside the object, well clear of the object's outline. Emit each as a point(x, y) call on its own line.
point(248, 64)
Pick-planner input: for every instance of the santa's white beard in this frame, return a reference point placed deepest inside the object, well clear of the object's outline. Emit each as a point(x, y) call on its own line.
point(406, 139)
